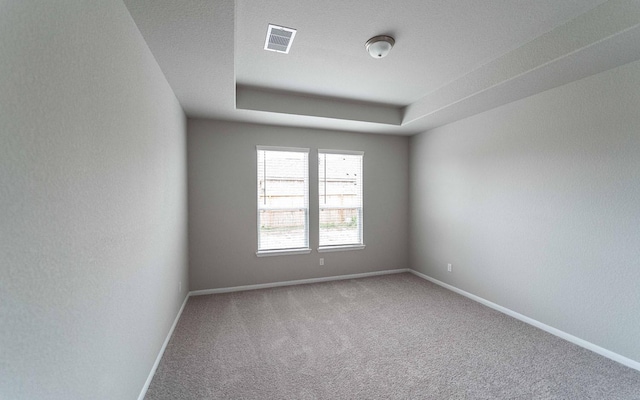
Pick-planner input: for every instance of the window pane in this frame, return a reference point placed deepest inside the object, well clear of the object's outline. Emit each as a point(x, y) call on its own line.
point(340, 192)
point(282, 179)
point(282, 229)
point(339, 226)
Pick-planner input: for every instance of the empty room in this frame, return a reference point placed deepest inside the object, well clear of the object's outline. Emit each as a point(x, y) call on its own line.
point(218, 199)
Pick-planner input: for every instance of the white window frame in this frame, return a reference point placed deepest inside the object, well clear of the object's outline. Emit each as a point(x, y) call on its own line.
point(284, 251)
point(345, 247)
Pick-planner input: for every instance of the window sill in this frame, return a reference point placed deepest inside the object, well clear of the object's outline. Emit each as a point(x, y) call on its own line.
point(269, 253)
point(327, 249)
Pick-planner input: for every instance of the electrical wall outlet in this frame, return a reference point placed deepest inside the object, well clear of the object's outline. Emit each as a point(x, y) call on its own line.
point(449, 267)
point(322, 261)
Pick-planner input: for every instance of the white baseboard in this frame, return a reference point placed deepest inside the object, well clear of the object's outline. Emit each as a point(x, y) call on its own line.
point(162, 349)
point(296, 282)
point(561, 334)
point(249, 287)
point(557, 332)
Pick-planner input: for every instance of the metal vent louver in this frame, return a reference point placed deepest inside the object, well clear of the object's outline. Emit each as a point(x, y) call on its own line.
point(279, 39)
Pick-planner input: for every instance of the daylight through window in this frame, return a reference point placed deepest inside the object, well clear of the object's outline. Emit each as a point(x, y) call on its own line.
point(340, 190)
point(283, 199)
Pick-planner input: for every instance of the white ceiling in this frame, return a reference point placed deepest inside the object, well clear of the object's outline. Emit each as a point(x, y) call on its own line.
point(452, 59)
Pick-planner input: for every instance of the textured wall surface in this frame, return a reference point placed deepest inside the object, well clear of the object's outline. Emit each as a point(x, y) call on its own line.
point(536, 206)
point(92, 202)
point(222, 205)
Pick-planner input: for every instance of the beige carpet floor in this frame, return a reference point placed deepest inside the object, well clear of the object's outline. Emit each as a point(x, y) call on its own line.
point(388, 337)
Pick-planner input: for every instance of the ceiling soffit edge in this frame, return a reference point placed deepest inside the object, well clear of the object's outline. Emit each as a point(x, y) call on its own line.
point(600, 39)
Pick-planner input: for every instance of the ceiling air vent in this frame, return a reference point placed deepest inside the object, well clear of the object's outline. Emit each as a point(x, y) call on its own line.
point(279, 39)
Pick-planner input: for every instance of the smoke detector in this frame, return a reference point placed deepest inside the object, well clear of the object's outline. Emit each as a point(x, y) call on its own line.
point(279, 39)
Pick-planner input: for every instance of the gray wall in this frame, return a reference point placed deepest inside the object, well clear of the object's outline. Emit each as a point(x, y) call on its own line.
point(537, 206)
point(92, 202)
point(222, 205)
